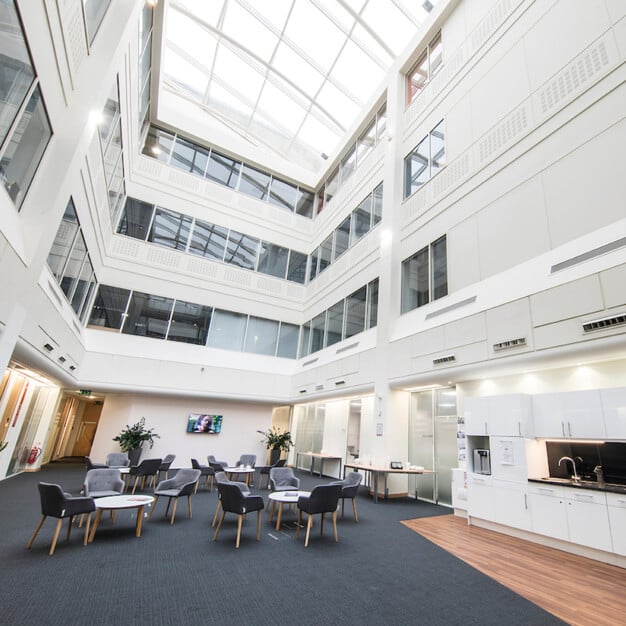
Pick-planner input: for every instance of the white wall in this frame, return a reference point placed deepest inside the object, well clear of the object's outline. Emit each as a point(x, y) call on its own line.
point(168, 416)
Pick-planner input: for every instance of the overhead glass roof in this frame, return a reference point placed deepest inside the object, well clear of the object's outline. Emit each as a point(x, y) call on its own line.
point(294, 75)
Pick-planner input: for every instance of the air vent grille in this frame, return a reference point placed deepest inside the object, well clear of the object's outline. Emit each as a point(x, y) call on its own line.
point(340, 382)
point(319, 387)
point(309, 362)
point(348, 347)
point(512, 343)
point(62, 359)
point(605, 322)
point(48, 347)
point(448, 358)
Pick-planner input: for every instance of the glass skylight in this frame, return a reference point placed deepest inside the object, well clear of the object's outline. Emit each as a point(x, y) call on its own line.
point(294, 75)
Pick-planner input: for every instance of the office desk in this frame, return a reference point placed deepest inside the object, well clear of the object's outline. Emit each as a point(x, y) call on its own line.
point(377, 471)
point(322, 458)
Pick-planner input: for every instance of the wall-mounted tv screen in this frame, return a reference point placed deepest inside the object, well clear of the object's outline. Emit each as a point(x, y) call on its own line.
point(203, 423)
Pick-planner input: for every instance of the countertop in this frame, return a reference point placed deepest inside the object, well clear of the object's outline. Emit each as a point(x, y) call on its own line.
point(581, 484)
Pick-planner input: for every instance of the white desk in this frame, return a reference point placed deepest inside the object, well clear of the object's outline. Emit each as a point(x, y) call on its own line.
point(115, 503)
point(322, 457)
point(290, 497)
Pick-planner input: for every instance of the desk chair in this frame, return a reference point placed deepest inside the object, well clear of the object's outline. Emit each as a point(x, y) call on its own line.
point(323, 499)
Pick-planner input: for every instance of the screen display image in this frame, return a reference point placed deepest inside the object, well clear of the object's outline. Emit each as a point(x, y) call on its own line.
point(203, 423)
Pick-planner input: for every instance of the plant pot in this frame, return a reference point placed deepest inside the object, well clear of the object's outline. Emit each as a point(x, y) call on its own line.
point(274, 455)
point(134, 456)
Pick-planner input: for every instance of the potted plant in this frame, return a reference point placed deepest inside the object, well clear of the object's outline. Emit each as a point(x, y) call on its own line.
point(276, 441)
point(132, 438)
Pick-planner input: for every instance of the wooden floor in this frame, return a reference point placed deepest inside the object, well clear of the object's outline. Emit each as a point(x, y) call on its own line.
point(580, 591)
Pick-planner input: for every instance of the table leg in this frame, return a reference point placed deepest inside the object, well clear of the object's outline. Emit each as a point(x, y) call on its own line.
point(279, 515)
point(139, 521)
point(321, 467)
point(375, 487)
point(96, 521)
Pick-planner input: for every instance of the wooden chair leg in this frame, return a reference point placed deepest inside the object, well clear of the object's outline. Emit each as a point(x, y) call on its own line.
point(189, 507)
point(135, 483)
point(356, 515)
point(335, 525)
point(239, 521)
point(299, 523)
point(156, 499)
point(57, 530)
point(69, 528)
point(195, 490)
point(217, 510)
point(308, 530)
point(167, 508)
point(35, 532)
point(258, 527)
point(217, 530)
point(174, 510)
point(87, 524)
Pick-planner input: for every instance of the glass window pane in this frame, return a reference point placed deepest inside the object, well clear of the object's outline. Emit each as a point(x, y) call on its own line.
point(314, 263)
point(254, 182)
point(145, 26)
point(288, 341)
point(334, 324)
point(415, 281)
point(435, 50)
point(372, 304)
point(318, 324)
point(208, 240)
point(189, 157)
point(158, 144)
point(136, 219)
point(381, 124)
point(321, 194)
point(27, 145)
point(17, 73)
point(296, 272)
point(83, 284)
point(365, 143)
point(305, 340)
point(439, 268)
point(170, 229)
point(355, 312)
point(348, 164)
point(273, 260)
point(377, 211)
point(74, 265)
point(283, 194)
point(304, 203)
point(361, 219)
point(417, 78)
point(110, 117)
point(109, 307)
point(223, 170)
point(241, 250)
point(437, 148)
point(82, 312)
point(416, 168)
point(342, 237)
point(326, 250)
point(94, 14)
point(331, 187)
point(190, 323)
point(148, 315)
point(227, 330)
point(261, 336)
point(63, 240)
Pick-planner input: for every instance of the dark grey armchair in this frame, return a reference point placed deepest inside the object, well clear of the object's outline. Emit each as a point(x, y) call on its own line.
point(234, 500)
point(165, 465)
point(323, 499)
point(283, 479)
point(183, 484)
point(103, 482)
point(205, 470)
point(56, 503)
point(220, 477)
point(89, 464)
point(147, 468)
point(211, 459)
point(349, 487)
point(264, 470)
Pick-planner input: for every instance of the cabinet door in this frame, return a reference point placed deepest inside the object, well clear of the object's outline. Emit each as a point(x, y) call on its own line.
point(509, 414)
point(582, 414)
point(480, 502)
point(617, 521)
point(588, 521)
point(512, 507)
point(548, 513)
point(548, 415)
point(476, 415)
point(508, 459)
point(614, 409)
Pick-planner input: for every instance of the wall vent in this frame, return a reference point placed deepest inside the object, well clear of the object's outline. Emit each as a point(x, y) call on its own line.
point(302, 391)
point(348, 347)
point(605, 322)
point(309, 362)
point(448, 358)
point(451, 307)
point(62, 359)
point(48, 347)
point(319, 387)
point(590, 254)
point(72, 367)
point(340, 382)
point(511, 343)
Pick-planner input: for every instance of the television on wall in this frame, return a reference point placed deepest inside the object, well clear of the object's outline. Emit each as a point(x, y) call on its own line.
point(204, 423)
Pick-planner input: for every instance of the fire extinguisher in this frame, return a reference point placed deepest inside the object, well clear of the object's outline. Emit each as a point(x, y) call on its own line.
point(34, 454)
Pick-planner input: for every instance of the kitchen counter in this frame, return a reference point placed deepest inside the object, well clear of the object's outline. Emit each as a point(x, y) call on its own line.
point(581, 484)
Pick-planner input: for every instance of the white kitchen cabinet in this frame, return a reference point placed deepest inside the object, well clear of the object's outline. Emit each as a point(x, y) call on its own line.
point(588, 519)
point(508, 414)
point(617, 521)
point(571, 414)
point(508, 459)
point(480, 501)
point(512, 505)
point(548, 512)
point(614, 409)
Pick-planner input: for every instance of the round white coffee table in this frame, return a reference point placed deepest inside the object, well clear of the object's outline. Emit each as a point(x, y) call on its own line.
point(241, 469)
point(115, 503)
point(282, 497)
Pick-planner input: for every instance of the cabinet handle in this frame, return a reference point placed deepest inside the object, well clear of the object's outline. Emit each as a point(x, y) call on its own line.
point(519, 428)
point(569, 428)
point(525, 501)
point(584, 498)
point(545, 490)
point(563, 428)
point(486, 431)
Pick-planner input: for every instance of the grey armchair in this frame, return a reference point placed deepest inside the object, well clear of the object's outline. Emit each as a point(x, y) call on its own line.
point(283, 479)
point(220, 477)
point(234, 500)
point(211, 459)
point(205, 470)
point(147, 468)
point(89, 464)
point(56, 503)
point(323, 499)
point(103, 482)
point(165, 465)
point(183, 484)
point(118, 459)
point(349, 487)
